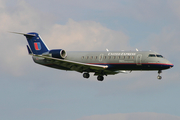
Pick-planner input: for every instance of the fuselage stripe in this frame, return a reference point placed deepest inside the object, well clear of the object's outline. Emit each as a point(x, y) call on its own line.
point(130, 63)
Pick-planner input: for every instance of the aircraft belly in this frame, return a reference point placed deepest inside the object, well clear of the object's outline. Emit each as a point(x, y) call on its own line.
point(112, 67)
point(143, 66)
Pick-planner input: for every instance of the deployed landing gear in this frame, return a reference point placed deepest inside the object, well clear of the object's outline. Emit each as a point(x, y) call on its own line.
point(100, 78)
point(86, 75)
point(159, 77)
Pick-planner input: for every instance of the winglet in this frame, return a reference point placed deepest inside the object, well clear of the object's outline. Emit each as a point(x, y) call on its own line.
point(123, 71)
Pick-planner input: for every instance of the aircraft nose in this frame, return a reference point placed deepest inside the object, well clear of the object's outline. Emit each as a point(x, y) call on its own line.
point(166, 64)
point(170, 64)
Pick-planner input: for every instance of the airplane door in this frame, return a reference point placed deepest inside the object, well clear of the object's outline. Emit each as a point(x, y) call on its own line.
point(139, 59)
point(101, 57)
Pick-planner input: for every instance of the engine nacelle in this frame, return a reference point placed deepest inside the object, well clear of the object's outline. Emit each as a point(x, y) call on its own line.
point(57, 53)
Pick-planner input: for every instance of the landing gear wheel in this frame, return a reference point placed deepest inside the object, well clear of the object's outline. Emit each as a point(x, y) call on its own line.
point(100, 78)
point(86, 75)
point(159, 77)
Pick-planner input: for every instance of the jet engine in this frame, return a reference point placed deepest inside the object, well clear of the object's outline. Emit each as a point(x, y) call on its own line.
point(57, 53)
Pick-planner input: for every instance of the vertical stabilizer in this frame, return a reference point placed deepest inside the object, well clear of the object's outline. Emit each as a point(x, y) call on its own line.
point(36, 44)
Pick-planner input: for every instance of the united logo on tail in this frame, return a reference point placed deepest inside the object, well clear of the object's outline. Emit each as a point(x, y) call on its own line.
point(37, 46)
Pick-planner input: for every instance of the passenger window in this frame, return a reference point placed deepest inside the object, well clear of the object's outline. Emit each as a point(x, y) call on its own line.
point(152, 55)
point(96, 57)
point(82, 57)
point(109, 57)
point(87, 57)
point(119, 57)
point(128, 57)
point(132, 57)
point(91, 57)
point(114, 57)
point(123, 57)
point(104, 57)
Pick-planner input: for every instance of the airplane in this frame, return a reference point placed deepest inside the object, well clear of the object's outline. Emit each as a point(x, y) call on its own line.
point(101, 63)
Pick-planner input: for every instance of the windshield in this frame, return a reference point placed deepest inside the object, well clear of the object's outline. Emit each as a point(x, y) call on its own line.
point(152, 55)
point(159, 56)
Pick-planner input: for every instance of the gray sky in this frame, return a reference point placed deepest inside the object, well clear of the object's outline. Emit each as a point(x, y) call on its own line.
point(30, 91)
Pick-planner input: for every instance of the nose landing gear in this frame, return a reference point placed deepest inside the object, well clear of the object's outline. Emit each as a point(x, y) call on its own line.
point(159, 76)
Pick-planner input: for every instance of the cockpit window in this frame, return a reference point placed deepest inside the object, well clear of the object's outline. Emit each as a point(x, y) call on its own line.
point(159, 56)
point(152, 55)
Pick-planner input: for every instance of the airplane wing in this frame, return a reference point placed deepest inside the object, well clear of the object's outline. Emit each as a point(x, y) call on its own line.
point(78, 66)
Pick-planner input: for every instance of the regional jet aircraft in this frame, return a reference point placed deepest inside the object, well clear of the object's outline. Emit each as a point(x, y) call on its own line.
point(100, 63)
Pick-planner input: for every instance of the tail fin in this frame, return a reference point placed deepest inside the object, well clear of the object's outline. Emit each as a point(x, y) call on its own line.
point(36, 44)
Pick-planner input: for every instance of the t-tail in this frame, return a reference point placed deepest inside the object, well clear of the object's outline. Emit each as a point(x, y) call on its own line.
point(36, 45)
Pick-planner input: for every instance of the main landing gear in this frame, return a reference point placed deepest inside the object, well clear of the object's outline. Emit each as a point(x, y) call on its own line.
point(86, 75)
point(159, 76)
point(99, 77)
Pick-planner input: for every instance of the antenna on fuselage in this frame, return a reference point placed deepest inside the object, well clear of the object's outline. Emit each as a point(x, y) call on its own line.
point(107, 50)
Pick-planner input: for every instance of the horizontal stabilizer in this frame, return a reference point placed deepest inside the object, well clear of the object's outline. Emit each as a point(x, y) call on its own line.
point(24, 34)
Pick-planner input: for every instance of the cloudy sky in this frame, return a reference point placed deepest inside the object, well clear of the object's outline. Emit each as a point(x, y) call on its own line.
point(30, 91)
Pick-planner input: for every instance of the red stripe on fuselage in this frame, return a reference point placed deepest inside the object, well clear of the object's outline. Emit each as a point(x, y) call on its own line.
point(131, 63)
